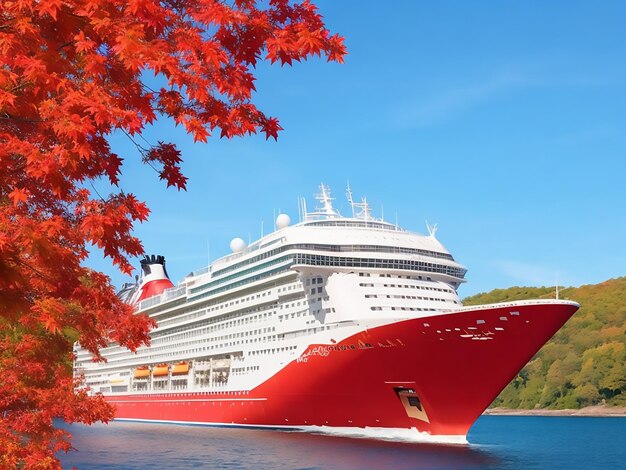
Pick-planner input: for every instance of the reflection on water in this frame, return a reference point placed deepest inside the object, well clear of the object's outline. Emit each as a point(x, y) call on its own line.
point(497, 442)
point(139, 445)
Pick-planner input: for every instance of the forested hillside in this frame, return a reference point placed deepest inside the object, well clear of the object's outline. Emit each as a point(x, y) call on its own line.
point(585, 362)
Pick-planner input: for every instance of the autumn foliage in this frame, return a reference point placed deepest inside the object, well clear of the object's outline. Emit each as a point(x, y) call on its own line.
point(74, 72)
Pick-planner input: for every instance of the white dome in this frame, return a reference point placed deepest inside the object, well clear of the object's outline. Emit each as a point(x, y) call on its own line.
point(237, 245)
point(282, 221)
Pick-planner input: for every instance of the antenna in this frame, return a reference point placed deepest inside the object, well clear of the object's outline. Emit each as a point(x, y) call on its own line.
point(326, 200)
point(366, 212)
point(349, 196)
point(299, 210)
point(304, 213)
point(432, 229)
point(360, 210)
point(556, 281)
point(262, 229)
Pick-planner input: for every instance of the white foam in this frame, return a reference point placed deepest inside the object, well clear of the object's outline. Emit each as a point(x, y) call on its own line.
point(387, 434)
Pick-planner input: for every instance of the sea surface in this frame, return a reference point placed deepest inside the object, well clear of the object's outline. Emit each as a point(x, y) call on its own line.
point(495, 442)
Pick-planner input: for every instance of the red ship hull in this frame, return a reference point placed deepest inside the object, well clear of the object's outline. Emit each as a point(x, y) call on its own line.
point(435, 374)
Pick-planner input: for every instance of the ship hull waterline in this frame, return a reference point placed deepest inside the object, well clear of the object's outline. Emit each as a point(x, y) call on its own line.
point(435, 374)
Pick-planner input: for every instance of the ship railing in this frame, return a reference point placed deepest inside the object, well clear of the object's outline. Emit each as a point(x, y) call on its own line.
point(259, 245)
point(233, 256)
point(145, 355)
point(201, 271)
point(183, 318)
point(368, 224)
point(144, 304)
point(174, 292)
point(512, 304)
point(168, 294)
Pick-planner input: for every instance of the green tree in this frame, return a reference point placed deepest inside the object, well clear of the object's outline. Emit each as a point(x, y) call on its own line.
point(585, 362)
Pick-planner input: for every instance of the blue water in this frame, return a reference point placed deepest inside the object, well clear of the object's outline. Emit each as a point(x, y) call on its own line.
point(496, 442)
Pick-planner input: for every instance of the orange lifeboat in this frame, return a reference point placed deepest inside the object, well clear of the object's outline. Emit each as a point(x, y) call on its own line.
point(141, 372)
point(160, 370)
point(181, 368)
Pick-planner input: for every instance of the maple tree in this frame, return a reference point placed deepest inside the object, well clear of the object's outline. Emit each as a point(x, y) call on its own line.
point(74, 72)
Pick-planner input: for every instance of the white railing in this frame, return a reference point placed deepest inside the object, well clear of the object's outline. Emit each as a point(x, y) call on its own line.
point(515, 303)
point(168, 294)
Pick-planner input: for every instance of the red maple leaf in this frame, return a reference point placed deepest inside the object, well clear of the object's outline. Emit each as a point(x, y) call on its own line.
point(72, 75)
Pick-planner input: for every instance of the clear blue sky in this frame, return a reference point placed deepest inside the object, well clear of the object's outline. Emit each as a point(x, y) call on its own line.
point(503, 122)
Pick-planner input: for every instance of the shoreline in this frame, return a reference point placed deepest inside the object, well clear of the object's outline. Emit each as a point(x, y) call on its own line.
point(599, 411)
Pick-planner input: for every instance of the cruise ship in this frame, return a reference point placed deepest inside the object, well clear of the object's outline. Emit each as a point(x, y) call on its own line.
point(336, 321)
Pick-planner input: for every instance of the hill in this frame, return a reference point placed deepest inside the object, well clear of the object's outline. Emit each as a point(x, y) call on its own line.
point(584, 364)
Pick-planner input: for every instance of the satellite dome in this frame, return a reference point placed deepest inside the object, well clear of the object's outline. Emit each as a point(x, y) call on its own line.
point(237, 245)
point(282, 221)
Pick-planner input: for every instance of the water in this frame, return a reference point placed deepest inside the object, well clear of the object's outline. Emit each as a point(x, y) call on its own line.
point(496, 442)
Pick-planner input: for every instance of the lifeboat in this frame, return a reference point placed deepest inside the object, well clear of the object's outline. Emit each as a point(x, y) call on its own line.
point(181, 368)
point(141, 372)
point(160, 370)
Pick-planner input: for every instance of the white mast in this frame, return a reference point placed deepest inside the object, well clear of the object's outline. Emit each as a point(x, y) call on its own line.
point(302, 209)
point(365, 212)
point(556, 281)
point(326, 200)
point(325, 208)
point(432, 229)
point(363, 208)
point(350, 200)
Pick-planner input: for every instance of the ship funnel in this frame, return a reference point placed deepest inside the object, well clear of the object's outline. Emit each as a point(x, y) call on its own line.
point(155, 279)
point(153, 260)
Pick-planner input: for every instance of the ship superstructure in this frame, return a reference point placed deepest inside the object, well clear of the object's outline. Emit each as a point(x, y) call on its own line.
point(337, 321)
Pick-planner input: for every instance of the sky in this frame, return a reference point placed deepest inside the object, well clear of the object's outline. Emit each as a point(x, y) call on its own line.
point(502, 122)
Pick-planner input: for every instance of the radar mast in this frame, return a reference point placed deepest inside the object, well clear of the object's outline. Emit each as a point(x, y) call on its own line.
point(326, 209)
point(360, 210)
